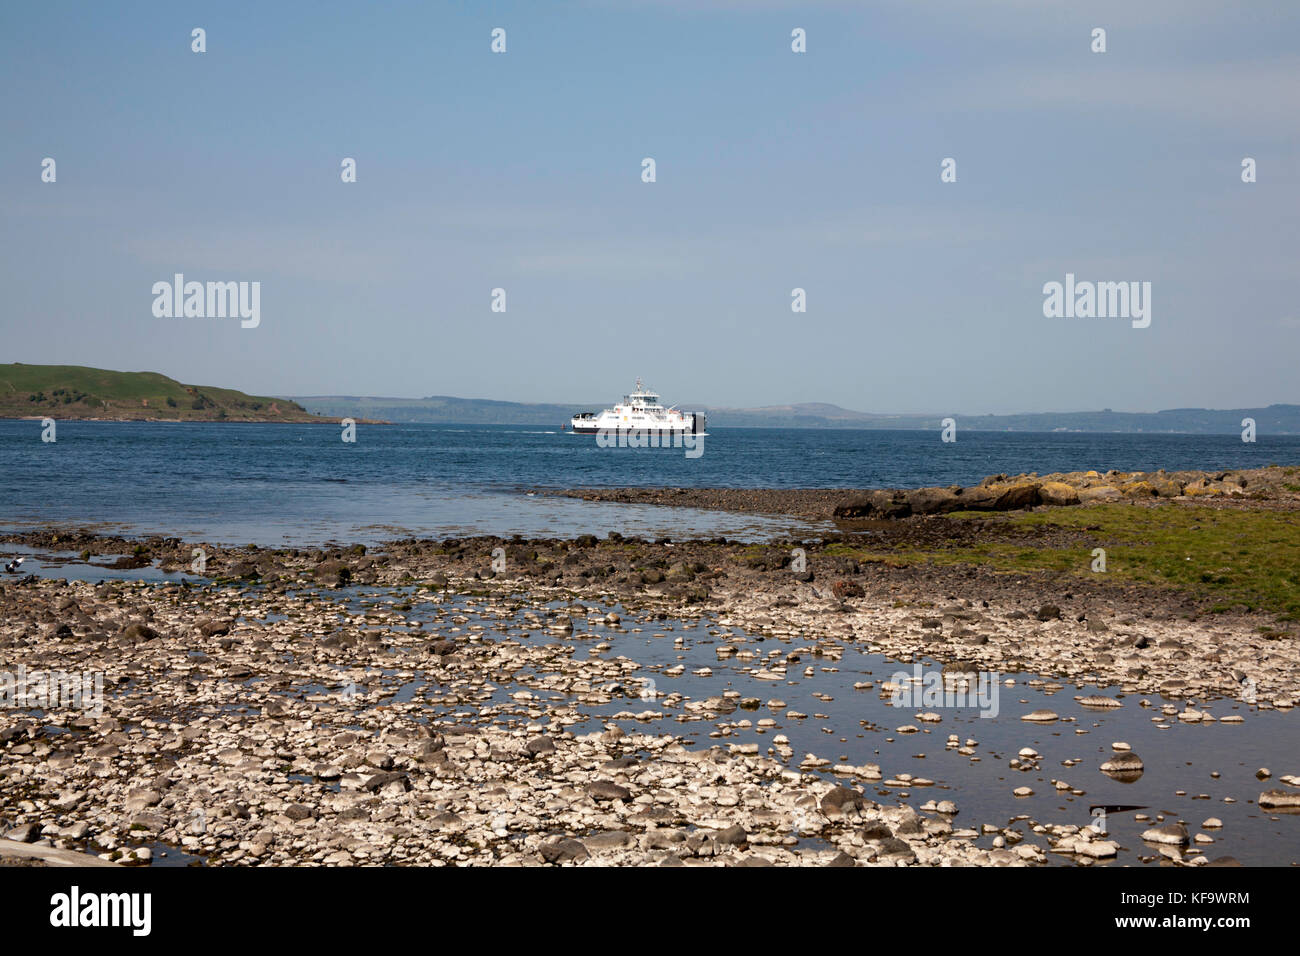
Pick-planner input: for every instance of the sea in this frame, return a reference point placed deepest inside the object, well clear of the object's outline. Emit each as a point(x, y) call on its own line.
point(291, 485)
point(296, 485)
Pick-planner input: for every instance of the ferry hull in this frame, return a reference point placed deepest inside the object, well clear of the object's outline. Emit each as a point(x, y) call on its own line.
point(594, 430)
point(693, 426)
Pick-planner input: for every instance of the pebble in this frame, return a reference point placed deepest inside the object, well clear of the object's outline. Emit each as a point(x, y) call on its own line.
point(1122, 763)
point(1279, 798)
point(1171, 834)
point(1042, 716)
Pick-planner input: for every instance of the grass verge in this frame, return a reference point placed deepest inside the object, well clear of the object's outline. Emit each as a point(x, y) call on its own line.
point(1239, 559)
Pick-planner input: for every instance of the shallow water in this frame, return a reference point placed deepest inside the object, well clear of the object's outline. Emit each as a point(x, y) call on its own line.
point(68, 566)
point(859, 726)
point(167, 856)
point(1179, 758)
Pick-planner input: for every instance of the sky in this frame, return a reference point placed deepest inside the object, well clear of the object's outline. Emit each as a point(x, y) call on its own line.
point(775, 170)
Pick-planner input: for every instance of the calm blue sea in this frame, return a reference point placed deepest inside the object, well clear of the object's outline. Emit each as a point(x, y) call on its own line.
point(300, 484)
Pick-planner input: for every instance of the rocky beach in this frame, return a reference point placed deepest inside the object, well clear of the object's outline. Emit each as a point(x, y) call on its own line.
point(639, 435)
point(629, 701)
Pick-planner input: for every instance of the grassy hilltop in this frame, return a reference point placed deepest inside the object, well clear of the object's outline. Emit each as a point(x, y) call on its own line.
point(74, 391)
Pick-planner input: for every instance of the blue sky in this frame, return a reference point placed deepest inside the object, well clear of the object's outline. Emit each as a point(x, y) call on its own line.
point(775, 170)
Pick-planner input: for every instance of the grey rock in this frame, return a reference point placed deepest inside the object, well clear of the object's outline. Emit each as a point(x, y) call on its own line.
point(563, 850)
point(841, 800)
point(607, 790)
point(27, 833)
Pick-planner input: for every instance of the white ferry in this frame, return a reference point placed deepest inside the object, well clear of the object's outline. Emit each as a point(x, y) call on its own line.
point(640, 411)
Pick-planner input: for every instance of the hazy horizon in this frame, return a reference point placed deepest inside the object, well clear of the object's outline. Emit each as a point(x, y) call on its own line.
point(688, 404)
point(775, 170)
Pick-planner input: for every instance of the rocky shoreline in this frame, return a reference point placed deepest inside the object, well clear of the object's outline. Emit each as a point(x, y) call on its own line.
point(994, 493)
point(413, 704)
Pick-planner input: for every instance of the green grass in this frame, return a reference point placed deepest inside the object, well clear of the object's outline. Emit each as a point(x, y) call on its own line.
point(70, 391)
point(1234, 557)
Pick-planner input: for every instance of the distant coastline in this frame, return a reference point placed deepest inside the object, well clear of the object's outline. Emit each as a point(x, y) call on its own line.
point(449, 410)
point(80, 393)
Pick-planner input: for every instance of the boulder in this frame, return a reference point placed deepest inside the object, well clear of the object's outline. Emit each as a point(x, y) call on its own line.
point(1171, 834)
point(137, 632)
point(679, 573)
point(1279, 798)
point(732, 836)
point(607, 790)
point(876, 504)
point(332, 574)
point(609, 840)
point(540, 745)
point(841, 800)
point(1167, 487)
point(1058, 493)
point(1001, 497)
point(1122, 763)
point(930, 501)
point(212, 626)
point(1139, 489)
point(1023, 494)
point(563, 851)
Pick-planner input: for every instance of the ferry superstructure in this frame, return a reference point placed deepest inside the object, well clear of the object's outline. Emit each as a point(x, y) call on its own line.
point(640, 410)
